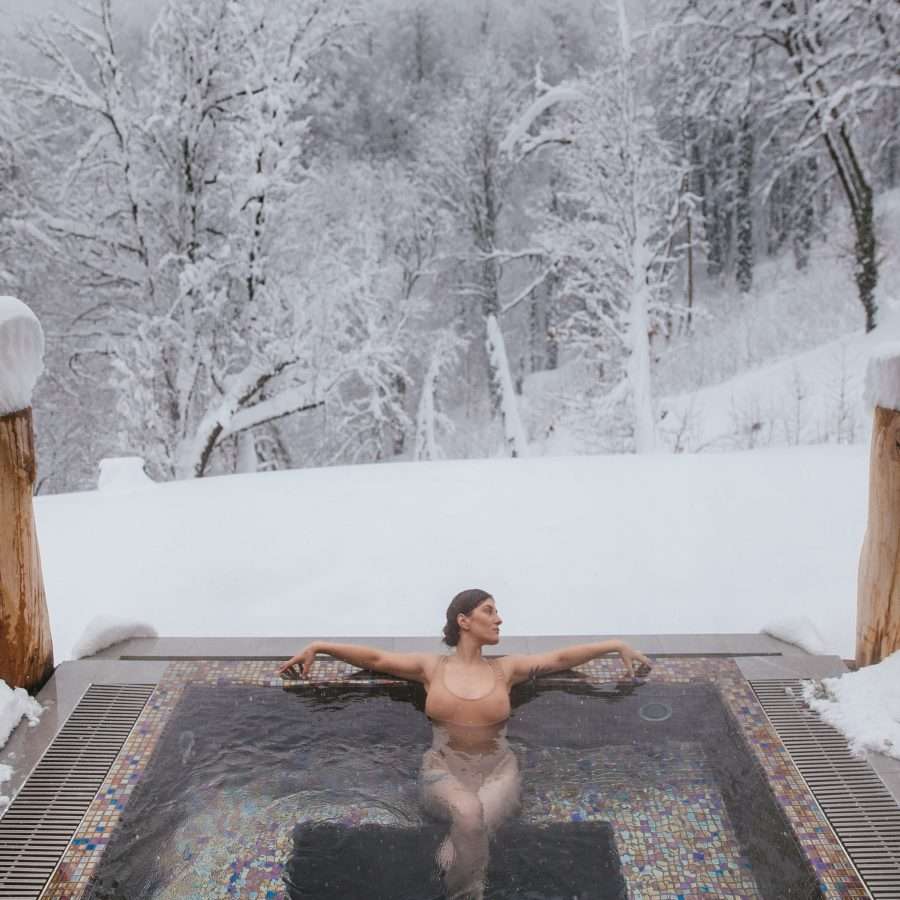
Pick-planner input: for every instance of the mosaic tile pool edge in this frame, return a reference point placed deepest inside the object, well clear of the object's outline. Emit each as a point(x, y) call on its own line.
point(836, 874)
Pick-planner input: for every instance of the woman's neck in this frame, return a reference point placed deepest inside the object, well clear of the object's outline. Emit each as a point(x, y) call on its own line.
point(468, 651)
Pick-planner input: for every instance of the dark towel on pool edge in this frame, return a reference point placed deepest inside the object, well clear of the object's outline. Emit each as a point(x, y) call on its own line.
point(560, 861)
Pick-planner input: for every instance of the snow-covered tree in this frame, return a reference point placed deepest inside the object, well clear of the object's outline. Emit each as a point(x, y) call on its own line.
point(471, 180)
point(831, 72)
point(250, 232)
point(429, 418)
point(183, 210)
point(8, 177)
point(610, 239)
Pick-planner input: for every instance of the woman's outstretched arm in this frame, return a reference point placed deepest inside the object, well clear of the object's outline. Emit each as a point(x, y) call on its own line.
point(413, 666)
point(522, 667)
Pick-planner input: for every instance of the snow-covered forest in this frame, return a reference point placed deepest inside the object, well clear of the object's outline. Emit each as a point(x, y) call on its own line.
point(269, 234)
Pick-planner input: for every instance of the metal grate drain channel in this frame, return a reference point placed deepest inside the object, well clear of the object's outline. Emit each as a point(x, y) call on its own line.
point(862, 811)
point(44, 816)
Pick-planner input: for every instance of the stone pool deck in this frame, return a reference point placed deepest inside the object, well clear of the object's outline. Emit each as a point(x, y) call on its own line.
point(172, 662)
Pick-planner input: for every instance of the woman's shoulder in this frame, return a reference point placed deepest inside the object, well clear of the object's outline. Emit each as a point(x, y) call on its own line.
point(507, 667)
point(430, 662)
point(518, 667)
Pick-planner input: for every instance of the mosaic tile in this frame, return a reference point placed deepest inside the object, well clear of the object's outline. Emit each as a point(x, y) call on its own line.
point(675, 840)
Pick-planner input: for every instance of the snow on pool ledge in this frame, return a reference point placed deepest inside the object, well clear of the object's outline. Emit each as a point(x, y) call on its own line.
point(864, 705)
point(568, 545)
point(15, 704)
point(799, 631)
point(104, 630)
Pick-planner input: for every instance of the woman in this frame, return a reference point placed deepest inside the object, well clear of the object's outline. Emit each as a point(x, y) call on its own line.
point(470, 776)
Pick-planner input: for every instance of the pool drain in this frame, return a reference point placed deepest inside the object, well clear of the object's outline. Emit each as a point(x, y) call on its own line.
point(655, 712)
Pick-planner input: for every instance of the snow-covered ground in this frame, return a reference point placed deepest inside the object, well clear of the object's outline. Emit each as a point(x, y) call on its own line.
point(568, 545)
point(816, 396)
point(813, 397)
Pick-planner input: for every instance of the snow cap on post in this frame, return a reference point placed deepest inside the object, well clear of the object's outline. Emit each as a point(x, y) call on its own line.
point(21, 354)
point(883, 377)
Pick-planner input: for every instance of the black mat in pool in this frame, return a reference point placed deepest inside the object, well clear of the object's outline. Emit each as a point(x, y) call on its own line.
point(562, 861)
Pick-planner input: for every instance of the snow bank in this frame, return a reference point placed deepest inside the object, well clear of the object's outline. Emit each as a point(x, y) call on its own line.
point(21, 354)
point(568, 545)
point(799, 631)
point(123, 474)
point(105, 630)
point(864, 705)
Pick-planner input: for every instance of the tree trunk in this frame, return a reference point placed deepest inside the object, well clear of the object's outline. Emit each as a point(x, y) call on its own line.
point(878, 597)
point(805, 176)
point(26, 648)
point(426, 445)
point(639, 374)
point(690, 270)
point(552, 316)
point(535, 334)
point(501, 379)
point(718, 205)
point(865, 247)
point(744, 208)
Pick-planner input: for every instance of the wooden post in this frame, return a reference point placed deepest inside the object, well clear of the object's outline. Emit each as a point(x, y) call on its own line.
point(878, 597)
point(26, 649)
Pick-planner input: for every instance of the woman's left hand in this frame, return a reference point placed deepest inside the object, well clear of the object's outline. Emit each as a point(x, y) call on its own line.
point(635, 661)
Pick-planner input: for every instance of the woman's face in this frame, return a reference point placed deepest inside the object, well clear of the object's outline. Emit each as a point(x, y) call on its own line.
point(484, 622)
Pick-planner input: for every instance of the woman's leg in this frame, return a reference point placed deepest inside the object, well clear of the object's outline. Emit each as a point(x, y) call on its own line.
point(501, 793)
point(465, 861)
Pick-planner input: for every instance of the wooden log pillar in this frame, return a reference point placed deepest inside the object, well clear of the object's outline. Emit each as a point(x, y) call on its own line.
point(26, 648)
point(878, 596)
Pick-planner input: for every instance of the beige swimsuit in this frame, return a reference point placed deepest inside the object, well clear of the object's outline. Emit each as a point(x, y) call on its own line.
point(469, 740)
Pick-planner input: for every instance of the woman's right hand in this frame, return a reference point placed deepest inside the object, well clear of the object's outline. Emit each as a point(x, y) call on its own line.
point(303, 660)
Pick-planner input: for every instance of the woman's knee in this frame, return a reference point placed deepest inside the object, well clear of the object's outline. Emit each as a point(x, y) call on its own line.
point(500, 799)
point(467, 811)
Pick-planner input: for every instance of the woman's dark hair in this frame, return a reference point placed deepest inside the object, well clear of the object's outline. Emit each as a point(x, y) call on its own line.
point(464, 602)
